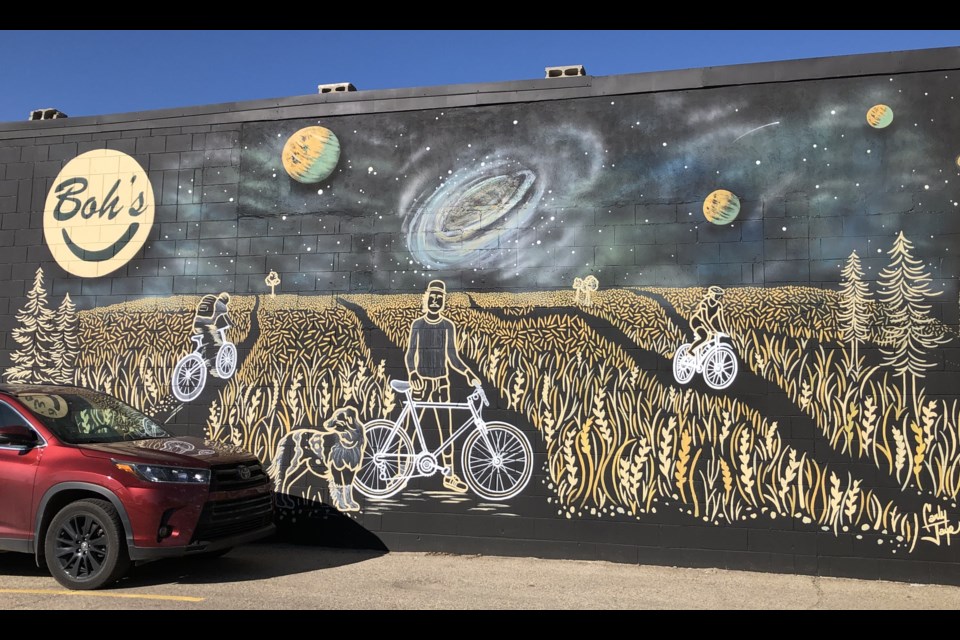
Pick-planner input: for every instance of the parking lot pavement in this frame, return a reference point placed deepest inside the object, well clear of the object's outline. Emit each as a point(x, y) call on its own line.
point(278, 576)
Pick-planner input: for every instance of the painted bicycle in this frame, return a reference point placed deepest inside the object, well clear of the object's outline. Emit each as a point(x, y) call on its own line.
point(716, 360)
point(497, 459)
point(190, 372)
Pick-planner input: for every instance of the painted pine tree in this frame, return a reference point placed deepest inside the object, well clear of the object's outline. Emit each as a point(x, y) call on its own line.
point(36, 336)
point(909, 332)
point(854, 302)
point(67, 347)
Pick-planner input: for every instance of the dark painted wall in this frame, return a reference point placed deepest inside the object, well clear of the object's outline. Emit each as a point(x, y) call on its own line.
point(831, 449)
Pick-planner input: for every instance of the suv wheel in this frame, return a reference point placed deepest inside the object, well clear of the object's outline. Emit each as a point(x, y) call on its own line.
point(85, 547)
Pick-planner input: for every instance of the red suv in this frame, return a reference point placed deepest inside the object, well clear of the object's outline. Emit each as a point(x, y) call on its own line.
point(89, 485)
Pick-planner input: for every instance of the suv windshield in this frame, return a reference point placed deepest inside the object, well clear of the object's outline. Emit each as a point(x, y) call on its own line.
point(79, 416)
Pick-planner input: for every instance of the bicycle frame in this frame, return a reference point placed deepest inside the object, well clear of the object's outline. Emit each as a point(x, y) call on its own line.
point(707, 348)
point(411, 409)
point(198, 337)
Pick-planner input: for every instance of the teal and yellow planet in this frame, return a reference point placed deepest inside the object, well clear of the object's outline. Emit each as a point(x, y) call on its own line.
point(311, 154)
point(879, 116)
point(721, 207)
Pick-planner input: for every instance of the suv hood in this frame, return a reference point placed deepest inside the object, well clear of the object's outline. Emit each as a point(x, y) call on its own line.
point(188, 451)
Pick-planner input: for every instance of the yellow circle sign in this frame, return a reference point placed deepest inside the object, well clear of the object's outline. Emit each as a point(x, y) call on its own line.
point(98, 213)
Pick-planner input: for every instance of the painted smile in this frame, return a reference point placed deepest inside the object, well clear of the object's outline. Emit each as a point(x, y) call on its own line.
point(90, 255)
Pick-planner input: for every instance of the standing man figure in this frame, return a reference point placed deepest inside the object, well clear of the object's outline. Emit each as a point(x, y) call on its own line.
point(431, 353)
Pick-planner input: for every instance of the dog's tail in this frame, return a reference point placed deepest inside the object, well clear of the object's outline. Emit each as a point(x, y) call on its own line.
point(281, 461)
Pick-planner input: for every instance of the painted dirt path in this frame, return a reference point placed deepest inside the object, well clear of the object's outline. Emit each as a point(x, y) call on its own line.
point(184, 420)
point(803, 434)
point(753, 391)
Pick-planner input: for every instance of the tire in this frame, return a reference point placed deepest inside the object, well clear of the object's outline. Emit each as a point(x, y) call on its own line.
point(226, 360)
point(94, 527)
point(504, 471)
point(683, 368)
point(720, 368)
point(189, 377)
point(387, 461)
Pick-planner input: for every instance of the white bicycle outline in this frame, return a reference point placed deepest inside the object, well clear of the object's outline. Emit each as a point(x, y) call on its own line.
point(497, 459)
point(190, 373)
point(716, 360)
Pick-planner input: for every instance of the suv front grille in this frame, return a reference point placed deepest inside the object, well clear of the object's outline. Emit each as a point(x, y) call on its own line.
point(229, 477)
point(230, 517)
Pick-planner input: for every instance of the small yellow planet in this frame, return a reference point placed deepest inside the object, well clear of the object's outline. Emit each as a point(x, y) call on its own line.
point(721, 207)
point(879, 116)
point(958, 162)
point(311, 154)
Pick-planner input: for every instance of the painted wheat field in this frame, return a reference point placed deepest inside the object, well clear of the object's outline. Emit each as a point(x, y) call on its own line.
point(130, 349)
point(621, 441)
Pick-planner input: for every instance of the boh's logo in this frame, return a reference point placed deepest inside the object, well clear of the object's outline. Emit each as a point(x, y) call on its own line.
point(99, 213)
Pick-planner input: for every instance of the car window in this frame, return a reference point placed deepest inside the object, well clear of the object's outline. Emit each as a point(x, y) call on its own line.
point(81, 416)
point(9, 417)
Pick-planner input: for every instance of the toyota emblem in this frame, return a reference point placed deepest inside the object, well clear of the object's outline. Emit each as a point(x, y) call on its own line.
point(244, 473)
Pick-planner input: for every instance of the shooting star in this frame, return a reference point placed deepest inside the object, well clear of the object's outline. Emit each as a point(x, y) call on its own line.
point(769, 124)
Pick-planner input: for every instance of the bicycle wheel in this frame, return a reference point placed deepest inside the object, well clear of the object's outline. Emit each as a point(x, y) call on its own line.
point(226, 360)
point(684, 365)
point(189, 377)
point(499, 466)
point(720, 368)
point(387, 460)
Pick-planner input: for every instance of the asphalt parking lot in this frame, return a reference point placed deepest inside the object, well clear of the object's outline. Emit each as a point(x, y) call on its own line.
point(283, 576)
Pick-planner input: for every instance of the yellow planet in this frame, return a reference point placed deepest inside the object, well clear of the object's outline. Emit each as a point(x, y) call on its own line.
point(958, 162)
point(879, 116)
point(721, 207)
point(311, 154)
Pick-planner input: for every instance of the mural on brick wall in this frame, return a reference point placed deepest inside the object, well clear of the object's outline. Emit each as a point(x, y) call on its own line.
point(458, 366)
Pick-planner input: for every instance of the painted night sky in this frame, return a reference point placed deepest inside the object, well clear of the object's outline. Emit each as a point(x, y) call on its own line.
point(525, 195)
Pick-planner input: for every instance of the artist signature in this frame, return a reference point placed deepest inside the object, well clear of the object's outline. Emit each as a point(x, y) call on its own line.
point(935, 522)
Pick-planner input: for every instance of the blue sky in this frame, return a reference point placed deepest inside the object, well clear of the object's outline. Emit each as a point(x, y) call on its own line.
point(90, 72)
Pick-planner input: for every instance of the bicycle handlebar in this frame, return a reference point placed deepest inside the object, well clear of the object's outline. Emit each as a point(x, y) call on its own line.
point(479, 393)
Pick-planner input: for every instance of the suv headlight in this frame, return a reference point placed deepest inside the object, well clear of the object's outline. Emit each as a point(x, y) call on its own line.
point(159, 473)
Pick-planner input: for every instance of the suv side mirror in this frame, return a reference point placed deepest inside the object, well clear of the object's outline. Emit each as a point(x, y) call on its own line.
point(17, 435)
